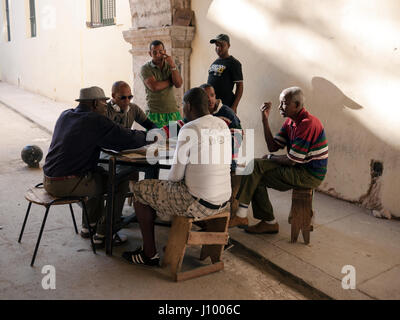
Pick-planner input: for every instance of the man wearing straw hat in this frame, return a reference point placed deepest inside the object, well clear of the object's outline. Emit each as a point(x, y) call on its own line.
point(71, 167)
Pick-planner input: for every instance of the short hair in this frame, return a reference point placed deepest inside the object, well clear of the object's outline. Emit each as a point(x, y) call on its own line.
point(197, 98)
point(295, 94)
point(206, 85)
point(156, 43)
point(117, 85)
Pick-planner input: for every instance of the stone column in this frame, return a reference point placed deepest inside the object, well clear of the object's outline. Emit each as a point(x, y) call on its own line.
point(153, 20)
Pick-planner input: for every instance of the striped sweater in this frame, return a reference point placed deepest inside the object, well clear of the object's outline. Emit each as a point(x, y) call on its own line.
point(306, 143)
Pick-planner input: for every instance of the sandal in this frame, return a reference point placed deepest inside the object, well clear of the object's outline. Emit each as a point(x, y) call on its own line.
point(100, 240)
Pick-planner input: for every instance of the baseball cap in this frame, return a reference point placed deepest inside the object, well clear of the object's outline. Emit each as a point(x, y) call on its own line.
point(220, 37)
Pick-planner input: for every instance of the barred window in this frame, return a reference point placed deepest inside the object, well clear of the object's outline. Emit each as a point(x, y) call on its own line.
point(102, 13)
point(32, 17)
point(8, 21)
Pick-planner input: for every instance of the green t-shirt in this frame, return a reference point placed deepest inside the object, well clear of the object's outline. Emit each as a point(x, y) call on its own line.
point(162, 101)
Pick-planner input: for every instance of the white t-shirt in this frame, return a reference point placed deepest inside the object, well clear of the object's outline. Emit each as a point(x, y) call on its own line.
point(203, 157)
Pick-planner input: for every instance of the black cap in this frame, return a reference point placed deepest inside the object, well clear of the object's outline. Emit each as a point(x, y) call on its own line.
point(220, 37)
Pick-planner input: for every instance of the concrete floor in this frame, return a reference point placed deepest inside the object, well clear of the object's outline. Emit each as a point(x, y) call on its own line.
point(82, 275)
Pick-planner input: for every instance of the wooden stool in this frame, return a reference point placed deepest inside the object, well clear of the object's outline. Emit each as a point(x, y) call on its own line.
point(212, 241)
point(300, 214)
point(39, 196)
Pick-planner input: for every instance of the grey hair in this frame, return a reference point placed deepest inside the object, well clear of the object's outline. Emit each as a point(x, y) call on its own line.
point(295, 94)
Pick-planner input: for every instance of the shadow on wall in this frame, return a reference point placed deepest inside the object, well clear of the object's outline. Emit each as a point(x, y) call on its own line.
point(353, 147)
point(349, 141)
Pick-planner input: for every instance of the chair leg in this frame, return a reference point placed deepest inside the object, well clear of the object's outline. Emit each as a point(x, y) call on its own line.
point(40, 235)
point(26, 218)
point(73, 218)
point(88, 224)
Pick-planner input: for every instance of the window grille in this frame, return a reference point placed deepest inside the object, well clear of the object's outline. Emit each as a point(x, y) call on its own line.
point(32, 17)
point(102, 13)
point(8, 21)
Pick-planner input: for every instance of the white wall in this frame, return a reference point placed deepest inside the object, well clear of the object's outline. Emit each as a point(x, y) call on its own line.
point(66, 55)
point(345, 54)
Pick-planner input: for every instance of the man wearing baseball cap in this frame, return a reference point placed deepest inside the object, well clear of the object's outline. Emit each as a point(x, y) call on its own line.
point(225, 73)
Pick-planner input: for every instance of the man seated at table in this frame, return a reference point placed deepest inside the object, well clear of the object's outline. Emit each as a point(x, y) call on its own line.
point(304, 165)
point(197, 186)
point(71, 167)
point(217, 109)
point(124, 112)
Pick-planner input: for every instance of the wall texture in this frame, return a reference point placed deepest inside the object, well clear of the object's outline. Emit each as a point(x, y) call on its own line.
point(345, 54)
point(66, 55)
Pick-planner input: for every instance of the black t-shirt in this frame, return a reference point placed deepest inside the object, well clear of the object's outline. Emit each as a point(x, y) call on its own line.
point(222, 75)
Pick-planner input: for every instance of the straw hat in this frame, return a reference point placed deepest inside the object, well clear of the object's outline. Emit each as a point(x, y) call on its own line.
point(92, 93)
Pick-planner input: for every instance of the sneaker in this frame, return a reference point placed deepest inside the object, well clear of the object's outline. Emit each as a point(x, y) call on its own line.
point(138, 257)
point(263, 227)
point(99, 240)
point(236, 221)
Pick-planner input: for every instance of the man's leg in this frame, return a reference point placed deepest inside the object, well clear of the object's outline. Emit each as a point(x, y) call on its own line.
point(146, 216)
point(120, 194)
point(251, 180)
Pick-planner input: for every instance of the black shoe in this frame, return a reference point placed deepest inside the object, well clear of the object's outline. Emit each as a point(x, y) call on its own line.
point(138, 257)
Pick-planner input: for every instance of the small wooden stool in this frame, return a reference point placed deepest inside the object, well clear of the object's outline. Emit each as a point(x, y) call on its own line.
point(212, 241)
point(300, 214)
point(40, 196)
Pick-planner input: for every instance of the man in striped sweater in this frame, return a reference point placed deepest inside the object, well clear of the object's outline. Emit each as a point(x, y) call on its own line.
point(304, 165)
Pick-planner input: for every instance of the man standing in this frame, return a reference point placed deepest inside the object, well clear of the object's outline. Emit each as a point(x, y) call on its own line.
point(225, 72)
point(159, 76)
point(196, 186)
point(71, 167)
point(304, 165)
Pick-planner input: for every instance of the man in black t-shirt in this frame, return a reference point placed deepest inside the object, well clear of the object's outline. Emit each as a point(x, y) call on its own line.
point(225, 72)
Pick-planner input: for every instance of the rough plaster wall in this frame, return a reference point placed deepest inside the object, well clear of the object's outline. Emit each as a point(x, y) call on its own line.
point(65, 55)
point(153, 13)
point(344, 54)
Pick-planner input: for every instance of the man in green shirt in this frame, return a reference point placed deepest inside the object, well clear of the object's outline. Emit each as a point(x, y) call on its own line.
point(159, 76)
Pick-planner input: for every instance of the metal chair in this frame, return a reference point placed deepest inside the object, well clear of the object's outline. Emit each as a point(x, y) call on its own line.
point(39, 196)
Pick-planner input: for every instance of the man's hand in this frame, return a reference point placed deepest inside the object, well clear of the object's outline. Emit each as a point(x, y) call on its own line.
point(265, 110)
point(169, 60)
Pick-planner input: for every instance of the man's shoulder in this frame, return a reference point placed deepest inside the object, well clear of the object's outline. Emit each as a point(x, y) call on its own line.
point(228, 111)
point(134, 107)
point(233, 60)
point(148, 66)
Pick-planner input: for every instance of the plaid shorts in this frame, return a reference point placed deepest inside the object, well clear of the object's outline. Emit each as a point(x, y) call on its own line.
point(170, 199)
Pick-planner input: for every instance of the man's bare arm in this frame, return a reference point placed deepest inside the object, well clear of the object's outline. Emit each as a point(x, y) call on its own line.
point(154, 85)
point(269, 138)
point(238, 95)
point(176, 76)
